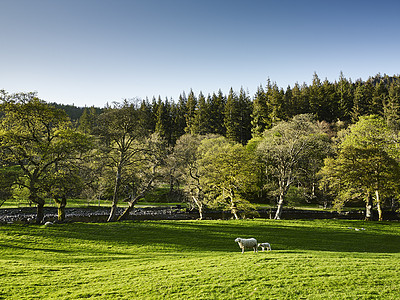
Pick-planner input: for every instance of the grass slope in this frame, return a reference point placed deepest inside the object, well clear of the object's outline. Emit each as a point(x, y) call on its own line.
point(317, 259)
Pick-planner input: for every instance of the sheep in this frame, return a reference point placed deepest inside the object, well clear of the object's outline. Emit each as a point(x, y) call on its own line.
point(247, 243)
point(265, 246)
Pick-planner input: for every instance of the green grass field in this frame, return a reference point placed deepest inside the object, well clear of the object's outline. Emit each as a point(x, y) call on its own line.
point(320, 259)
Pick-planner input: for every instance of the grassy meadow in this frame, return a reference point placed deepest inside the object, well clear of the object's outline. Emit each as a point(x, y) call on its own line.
point(310, 259)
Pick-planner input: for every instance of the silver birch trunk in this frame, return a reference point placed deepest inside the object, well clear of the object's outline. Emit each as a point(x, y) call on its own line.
point(378, 204)
point(113, 212)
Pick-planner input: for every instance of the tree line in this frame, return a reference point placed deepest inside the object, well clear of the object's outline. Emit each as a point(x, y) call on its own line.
point(323, 143)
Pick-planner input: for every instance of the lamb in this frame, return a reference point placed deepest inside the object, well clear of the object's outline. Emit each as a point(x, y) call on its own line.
point(265, 246)
point(247, 243)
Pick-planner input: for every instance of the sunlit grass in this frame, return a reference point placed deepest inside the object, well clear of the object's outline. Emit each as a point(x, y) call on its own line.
point(199, 260)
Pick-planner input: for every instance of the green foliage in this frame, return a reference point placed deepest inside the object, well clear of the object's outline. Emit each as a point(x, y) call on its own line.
point(198, 259)
point(228, 174)
point(39, 138)
point(8, 176)
point(366, 164)
point(293, 151)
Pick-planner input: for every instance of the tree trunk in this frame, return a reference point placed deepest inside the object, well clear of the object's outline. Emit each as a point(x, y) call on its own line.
point(234, 209)
point(378, 204)
point(125, 214)
point(61, 208)
point(368, 208)
point(39, 207)
point(279, 208)
point(199, 206)
point(113, 212)
point(39, 213)
point(132, 203)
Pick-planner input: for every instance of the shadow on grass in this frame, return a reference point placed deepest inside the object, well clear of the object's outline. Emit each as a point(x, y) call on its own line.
point(203, 236)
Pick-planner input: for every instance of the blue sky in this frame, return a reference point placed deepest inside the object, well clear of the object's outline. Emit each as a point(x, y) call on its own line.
point(90, 52)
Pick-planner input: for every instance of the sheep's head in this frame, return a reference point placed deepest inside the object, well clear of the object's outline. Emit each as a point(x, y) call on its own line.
point(238, 240)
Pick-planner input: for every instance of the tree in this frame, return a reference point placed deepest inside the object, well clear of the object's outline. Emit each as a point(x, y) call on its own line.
point(144, 169)
point(88, 120)
point(163, 120)
point(245, 107)
point(120, 132)
point(63, 182)
point(178, 118)
point(216, 105)
point(228, 174)
point(366, 163)
point(286, 150)
point(37, 137)
point(183, 163)
point(362, 97)
point(275, 103)
point(345, 101)
point(201, 117)
point(260, 120)
point(391, 107)
point(191, 105)
point(232, 117)
point(8, 177)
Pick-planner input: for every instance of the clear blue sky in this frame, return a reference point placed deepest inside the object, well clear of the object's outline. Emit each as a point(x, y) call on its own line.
point(90, 52)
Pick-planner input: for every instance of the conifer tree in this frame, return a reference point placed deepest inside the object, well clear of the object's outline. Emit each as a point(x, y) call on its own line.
point(163, 123)
point(231, 117)
point(88, 120)
point(360, 103)
point(260, 119)
point(275, 101)
point(345, 95)
point(147, 118)
point(200, 123)
point(180, 117)
point(392, 107)
point(216, 105)
point(379, 95)
point(245, 107)
point(190, 111)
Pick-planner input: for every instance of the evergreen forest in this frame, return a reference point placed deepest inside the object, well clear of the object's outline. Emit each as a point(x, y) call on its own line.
point(327, 143)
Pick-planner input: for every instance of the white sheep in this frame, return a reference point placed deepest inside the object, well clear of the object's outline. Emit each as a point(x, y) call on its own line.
point(265, 246)
point(247, 243)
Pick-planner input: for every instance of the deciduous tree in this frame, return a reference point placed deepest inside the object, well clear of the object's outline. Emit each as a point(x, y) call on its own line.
point(286, 150)
point(37, 137)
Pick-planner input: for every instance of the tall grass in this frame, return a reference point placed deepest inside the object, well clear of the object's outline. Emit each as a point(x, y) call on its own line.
point(317, 259)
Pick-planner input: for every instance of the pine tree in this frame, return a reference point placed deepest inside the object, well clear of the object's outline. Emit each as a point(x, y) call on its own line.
point(245, 108)
point(231, 117)
point(163, 123)
point(392, 107)
point(200, 123)
point(259, 117)
point(88, 120)
point(360, 103)
point(216, 105)
point(147, 117)
point(379, 95)
point(275, 102)
point(190, 111)
point(178, 114)
point(345, 92)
